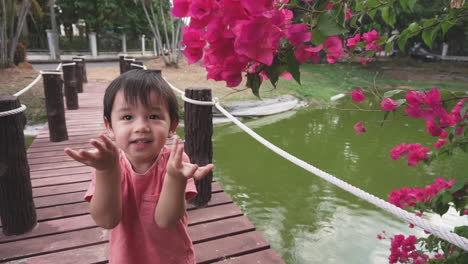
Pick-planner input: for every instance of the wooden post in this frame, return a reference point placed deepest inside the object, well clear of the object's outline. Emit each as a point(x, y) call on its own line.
point(132, 67)
point(122, 63)
point(127, 62)
point(198, 125)
point(17, 210)
point(79, 75)
point(69, 78)
point(83, 70)
point(54, 105)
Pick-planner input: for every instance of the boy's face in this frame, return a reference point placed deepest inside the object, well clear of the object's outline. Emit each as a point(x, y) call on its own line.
point(139, 131)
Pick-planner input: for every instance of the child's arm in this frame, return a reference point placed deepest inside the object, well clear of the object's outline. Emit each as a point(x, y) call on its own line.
point(171, 205)
point(106, 204)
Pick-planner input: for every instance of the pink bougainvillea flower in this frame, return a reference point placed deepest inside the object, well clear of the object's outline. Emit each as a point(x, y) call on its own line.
point(298, 33)
point(433, 128)
point(447, 120)
point(414, 112)
point(287, 76)
point(459, 130)
point(349, 15)
point(440, 143)
point(359, 128)
point(414, 99)
point(465, 212)
point(329, 6)
point(181, 8)
point(399, 151)
point(416, 154)
point(388, 104)
point(252, 40)
point(305, 52)
point(357, 95)
point(257, 7)
point(433, 97)
point(371, 36)
point(334, 48)
point(201, 9)
point(352, 42)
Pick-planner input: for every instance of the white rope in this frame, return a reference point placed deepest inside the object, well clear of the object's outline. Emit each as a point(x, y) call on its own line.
point(68, 64)
point(138, 65)
point(412, 218)
point(13, 111)
point(51, 73)
point(25, 89)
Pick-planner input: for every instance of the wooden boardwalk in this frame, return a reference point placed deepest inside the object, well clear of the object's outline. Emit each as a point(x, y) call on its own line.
point(66, 232)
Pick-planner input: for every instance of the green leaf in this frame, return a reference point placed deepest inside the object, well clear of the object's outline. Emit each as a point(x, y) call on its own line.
point(411, 4)
point(384, 118)
point(438, 203)
point(404, 4)
point(462, 231)
point(458, 185)
point(388, 15)
point(429, 35)
point(293, 66)
point(274, 71)
point(400, 101)
point(317, 37)
point(253, 82)
point(402, 39)
point(446, 25)
point(392, 93)
point(329, 26)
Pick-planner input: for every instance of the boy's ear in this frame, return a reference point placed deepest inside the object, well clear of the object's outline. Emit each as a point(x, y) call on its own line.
point(110, 131)
point(172, 129)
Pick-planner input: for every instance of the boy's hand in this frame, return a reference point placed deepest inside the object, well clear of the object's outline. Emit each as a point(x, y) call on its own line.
point(105, 156)
point(177, 169)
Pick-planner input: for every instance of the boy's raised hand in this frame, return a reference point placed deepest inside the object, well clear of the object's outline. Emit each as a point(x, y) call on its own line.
point(184, 170)
point(105, 156)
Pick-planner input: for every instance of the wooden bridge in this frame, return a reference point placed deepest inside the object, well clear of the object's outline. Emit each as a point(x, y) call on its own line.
point(66, 232)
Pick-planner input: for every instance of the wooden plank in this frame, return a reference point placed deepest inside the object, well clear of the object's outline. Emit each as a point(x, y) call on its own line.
point(85, 221)
point(60, 180)
point(60, 189)
point(42, 246)
point(265, 256)
point(60, 172)
point(53, 200)
point(53, 166)
point(231, 246)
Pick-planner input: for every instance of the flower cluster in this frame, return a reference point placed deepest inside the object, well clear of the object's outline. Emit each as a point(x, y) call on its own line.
point(369, 40)
point(231, 35)
point(403, 249)
point(411, 196)
point(414, 152)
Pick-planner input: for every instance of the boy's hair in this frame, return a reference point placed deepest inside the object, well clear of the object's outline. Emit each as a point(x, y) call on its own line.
point(137, 85)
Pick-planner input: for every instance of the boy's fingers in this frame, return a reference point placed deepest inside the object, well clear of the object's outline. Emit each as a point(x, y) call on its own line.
point(202, 171)
point(107, 142)
point(98, 145)
point(88, 154)
point(74, 155)
point(178, 153)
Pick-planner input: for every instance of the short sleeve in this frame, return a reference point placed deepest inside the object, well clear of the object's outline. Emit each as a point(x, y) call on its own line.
point(190, 188)
point(92, 186)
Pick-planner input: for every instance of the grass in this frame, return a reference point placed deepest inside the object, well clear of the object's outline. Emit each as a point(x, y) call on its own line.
point(321, 81)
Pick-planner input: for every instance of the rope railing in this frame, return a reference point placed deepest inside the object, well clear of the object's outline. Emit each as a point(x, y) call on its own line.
point(426, 225)
point(25, 89)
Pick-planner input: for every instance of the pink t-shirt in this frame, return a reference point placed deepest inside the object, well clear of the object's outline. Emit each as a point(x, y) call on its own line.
point(137, 238)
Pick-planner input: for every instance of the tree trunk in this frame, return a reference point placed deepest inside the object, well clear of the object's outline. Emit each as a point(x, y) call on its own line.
point(53, 23)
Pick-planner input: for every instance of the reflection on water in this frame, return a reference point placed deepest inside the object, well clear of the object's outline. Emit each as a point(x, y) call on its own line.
point(305, 219)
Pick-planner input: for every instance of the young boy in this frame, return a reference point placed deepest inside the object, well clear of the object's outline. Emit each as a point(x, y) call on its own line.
point(139, 185)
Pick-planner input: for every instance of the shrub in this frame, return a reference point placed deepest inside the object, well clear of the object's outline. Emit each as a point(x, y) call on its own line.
point(20, 54)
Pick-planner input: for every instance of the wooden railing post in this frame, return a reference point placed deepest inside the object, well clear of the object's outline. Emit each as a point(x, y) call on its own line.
point(70, 85)
point(79, 75)
point(198, 126)
point(132, 67)
point(122, 63)
point(17, 210)
point(54, 105)
point(83, 70)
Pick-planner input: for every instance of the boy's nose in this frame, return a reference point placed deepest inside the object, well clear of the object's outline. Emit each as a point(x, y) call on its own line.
point(141, 126)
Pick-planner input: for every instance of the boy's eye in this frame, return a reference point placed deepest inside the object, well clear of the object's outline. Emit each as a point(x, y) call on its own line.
point(127, 117)
point(154, 117)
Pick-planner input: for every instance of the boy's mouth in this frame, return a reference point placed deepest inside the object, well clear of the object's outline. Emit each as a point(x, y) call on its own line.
point(141, 141)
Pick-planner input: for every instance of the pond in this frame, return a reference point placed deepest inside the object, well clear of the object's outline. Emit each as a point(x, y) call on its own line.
point(306, 219)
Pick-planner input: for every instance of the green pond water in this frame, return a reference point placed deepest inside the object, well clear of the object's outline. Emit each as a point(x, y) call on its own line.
point(306, 219)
